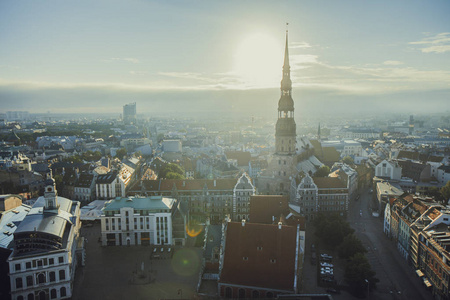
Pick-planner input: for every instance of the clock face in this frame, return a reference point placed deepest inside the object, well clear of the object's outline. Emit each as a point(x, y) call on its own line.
point(49, 189)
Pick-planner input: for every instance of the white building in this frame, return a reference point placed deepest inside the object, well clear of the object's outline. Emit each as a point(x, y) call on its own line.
point(241, 197)
point(308, 197)
point(137, 221)
point(388, 169)
point(43, 262)
point(114, 184)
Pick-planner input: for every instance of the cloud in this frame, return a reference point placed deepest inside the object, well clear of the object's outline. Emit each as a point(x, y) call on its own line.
point(299, 45)
point(439, 43)
point(126, 59)
point(392, 63)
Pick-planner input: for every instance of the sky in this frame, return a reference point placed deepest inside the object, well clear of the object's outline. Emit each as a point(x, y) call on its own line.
point(224, 56)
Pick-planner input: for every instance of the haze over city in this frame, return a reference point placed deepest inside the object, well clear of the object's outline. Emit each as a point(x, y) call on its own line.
point(212, 56)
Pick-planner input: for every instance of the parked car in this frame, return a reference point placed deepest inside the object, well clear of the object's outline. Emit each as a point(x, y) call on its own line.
point(325, 264)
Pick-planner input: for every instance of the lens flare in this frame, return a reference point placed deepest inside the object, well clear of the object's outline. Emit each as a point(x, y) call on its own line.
point(186, 262)
point(193, 230)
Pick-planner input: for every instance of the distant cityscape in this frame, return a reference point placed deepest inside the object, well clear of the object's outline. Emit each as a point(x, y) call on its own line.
point(285, 204)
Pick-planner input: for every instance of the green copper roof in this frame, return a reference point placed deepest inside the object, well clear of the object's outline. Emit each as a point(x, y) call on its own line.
point(140, 203)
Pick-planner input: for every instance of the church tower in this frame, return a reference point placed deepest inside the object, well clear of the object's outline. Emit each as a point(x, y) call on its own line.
point(50, 195)
point(286, 131)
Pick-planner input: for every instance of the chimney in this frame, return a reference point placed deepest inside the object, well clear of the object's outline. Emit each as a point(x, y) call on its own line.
point(279, 225)
point(243, 223)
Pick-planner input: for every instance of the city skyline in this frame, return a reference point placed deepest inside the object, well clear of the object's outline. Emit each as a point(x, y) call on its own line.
point(203, 56)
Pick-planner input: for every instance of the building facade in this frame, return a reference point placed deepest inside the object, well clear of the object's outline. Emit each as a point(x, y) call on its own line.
point(137, 221)
point(47, 249)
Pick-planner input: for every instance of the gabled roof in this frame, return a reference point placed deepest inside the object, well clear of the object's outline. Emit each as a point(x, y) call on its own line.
point(267, 209)
point(260, 255)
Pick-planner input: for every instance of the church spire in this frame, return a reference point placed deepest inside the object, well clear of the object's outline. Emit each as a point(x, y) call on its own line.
point(286, 66)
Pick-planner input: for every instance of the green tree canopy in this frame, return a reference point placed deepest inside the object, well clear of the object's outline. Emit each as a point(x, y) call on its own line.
point(350, 246)
point(445, 191)
point(348, 160)
point(357, 271)
point(171, 168)
point(323, 171)
point(331, 229)
point(121, 153)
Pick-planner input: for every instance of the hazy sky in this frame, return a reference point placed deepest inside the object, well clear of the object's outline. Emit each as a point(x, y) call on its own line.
point(79, 56)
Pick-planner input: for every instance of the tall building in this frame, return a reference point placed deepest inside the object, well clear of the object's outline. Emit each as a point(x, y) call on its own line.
point(285, 131)
point(129, 113)
point(282, 165)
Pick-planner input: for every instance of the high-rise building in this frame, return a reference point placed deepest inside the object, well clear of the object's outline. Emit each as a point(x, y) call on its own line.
point(129, 113)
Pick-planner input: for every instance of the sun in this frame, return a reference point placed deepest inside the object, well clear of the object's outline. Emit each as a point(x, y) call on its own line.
point(258, 61)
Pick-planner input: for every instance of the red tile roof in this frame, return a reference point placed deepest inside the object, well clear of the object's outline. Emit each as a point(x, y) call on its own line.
point(189, 184)
point(260, 255)
point(263, 208)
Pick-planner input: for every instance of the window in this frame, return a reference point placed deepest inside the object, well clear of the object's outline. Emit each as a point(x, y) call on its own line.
point(20, 298)
point(53, 294)
point(19, 283)
point(272, 261)
point(61, 259)
point(17, 267)
point(63, 292)
point(245, 258)
point(28, 265)
point(51, 261)
point(52, 276)
point(30, 296)
point(41, 278)
point(259, 248)
point(62, 275)
point(255, 294)
point(241, 293)
point(29, 281)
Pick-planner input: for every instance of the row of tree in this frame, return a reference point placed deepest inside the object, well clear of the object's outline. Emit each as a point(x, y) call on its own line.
point(335, 233)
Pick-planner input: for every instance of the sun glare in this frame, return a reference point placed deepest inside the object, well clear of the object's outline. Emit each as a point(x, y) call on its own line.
point(258, 61)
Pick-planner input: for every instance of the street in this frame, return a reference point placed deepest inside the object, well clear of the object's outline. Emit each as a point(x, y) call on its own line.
point(397, 278)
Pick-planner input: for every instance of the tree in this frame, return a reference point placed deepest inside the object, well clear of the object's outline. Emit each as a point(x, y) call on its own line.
point(323, 171)
point(171, 168)
point(348, 160)
point(331, 229)
point(121, 153)
point(350, 246)
point(357, 271)
point(445, 191)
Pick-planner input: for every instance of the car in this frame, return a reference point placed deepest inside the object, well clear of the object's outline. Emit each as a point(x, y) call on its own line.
point(162, 249)
point(154, 250)
point(325, 264)
point(333, 291)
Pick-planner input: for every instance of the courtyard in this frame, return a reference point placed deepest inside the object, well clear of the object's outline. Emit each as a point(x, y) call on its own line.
point(121, 272)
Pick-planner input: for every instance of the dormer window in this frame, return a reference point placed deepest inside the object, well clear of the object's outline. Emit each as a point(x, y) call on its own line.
point(259, 248)
point(273, 260)
point(245, 258)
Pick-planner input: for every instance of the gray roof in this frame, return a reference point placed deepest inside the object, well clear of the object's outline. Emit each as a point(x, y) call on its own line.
point(213, 239)
point(53, 224)
point(8, 224)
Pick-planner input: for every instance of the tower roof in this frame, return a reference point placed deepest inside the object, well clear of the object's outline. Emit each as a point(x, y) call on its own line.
point(286, 54)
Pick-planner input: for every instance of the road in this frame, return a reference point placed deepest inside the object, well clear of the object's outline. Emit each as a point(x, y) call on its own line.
point(397, 278)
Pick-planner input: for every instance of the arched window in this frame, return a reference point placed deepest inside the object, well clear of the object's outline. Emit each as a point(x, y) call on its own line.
point(63, 292)
point(241, 293)
point(41, 278)
point(30, 296)
point(52, 276)
point(42, 295)
point(53, 294)
point(255, 294)
point(228, 292)
point(19, 283)
point(20, 298)
point(269, 295)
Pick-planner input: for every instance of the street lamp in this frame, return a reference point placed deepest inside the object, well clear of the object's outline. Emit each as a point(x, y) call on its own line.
point(367, 281)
